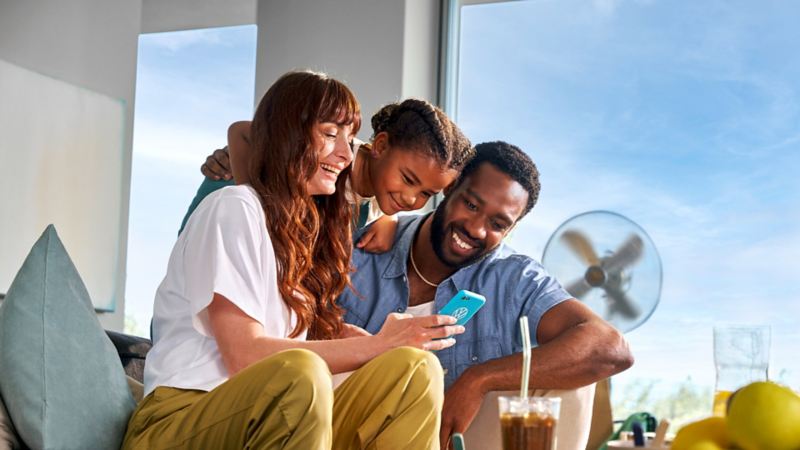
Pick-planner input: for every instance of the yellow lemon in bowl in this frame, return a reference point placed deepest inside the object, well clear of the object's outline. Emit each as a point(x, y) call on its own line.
point(764, 416)
point(705, 444)
point(712, 430)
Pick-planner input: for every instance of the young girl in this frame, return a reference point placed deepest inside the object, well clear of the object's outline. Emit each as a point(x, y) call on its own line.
point(415, 152)
point(255, 270)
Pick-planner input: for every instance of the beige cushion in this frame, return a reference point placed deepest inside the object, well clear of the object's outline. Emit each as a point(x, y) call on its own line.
point(574, 422)
point(8, 436)
point(137, 389)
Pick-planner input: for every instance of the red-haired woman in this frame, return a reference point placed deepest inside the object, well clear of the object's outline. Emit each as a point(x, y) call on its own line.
point(257, 267)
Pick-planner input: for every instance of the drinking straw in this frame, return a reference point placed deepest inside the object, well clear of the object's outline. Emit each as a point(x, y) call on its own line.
point(526, 356)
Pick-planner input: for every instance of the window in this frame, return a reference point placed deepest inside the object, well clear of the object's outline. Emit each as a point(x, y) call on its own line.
point(682, 116)
point(190, 86)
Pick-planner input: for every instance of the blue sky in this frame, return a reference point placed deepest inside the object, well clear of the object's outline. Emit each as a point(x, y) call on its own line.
point(190, 86)
point(683, 116)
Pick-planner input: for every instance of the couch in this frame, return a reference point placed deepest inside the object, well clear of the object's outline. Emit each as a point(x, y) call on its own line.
point(48, 328)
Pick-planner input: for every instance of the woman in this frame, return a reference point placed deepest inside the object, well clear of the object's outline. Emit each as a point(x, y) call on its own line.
point(415, 152)
point(258, 267)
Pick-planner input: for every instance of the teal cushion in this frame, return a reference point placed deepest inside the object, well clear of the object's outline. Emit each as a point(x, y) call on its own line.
point(60, 376)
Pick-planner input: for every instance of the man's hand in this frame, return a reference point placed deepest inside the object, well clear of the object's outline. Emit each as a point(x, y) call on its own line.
point(217, 166)
point(461, 404)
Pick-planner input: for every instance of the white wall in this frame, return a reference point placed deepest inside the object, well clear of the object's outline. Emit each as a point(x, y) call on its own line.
point(421, 47)
point(385, 50)
point(89, 43)
point(174, 15)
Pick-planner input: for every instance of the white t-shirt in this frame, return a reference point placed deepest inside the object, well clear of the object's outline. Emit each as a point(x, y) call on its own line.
point(421, 310)
point(224, 248)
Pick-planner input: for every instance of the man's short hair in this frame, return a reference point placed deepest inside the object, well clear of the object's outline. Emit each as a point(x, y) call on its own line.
point(510, 160)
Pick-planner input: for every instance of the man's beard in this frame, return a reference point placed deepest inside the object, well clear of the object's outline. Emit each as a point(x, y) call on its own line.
point(437, 241)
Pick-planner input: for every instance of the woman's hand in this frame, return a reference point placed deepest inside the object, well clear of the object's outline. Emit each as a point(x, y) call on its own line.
point(380, 236)
point(217, 165)
point(426, 333)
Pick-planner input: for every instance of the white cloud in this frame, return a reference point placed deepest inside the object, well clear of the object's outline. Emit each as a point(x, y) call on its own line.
point(606, 7)
point(183, 145)
point(178, 40)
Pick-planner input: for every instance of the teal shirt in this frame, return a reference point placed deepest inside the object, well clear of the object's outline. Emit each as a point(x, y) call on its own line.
point(208, 186)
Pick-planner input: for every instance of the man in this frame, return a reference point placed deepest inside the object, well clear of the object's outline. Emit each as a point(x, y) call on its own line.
point(460, 246)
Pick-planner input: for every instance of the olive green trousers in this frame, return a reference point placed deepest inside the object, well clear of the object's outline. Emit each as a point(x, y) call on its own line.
point(286, 402)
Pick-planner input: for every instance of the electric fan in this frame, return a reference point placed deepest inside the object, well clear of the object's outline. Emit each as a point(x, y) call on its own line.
point(609, 263)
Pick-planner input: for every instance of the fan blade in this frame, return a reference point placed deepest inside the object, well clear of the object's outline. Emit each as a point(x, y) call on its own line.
point(620, 302)
point(580, 244)
point(578, 288)
point(628, 253)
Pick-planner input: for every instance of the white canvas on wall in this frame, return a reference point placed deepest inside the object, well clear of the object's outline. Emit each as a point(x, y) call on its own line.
point(61, 157)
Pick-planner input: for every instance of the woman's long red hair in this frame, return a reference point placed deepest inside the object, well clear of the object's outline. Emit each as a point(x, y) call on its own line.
point(311, 235)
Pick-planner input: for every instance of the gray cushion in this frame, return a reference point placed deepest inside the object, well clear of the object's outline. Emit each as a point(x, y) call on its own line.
point(60, 375)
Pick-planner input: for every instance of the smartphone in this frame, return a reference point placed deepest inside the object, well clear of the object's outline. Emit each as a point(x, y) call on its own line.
point(463, 306)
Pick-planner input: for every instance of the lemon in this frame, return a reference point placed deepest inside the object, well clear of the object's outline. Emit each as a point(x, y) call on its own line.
point(705, 444)
point(765, 416)
point(712, 430)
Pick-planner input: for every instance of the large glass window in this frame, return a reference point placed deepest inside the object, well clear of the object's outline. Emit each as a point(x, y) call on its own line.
point(190, 86)
point(683, 116)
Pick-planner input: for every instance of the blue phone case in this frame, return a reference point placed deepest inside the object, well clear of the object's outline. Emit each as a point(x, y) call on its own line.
point(463, 306)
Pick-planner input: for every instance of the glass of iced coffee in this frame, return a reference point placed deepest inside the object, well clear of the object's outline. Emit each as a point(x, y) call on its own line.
point(529, 423)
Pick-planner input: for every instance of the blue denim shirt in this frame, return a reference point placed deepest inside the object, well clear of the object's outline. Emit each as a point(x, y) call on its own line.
point(514, 285)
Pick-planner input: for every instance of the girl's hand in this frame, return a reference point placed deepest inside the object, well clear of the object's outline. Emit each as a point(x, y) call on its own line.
point(426, 333)
point(380, 236)
point(217, 165)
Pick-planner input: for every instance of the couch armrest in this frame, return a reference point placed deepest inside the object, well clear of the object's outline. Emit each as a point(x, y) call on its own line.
point(132, 351)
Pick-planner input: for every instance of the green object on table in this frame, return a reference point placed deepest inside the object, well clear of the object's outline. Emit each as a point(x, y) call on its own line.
point(647, 420)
